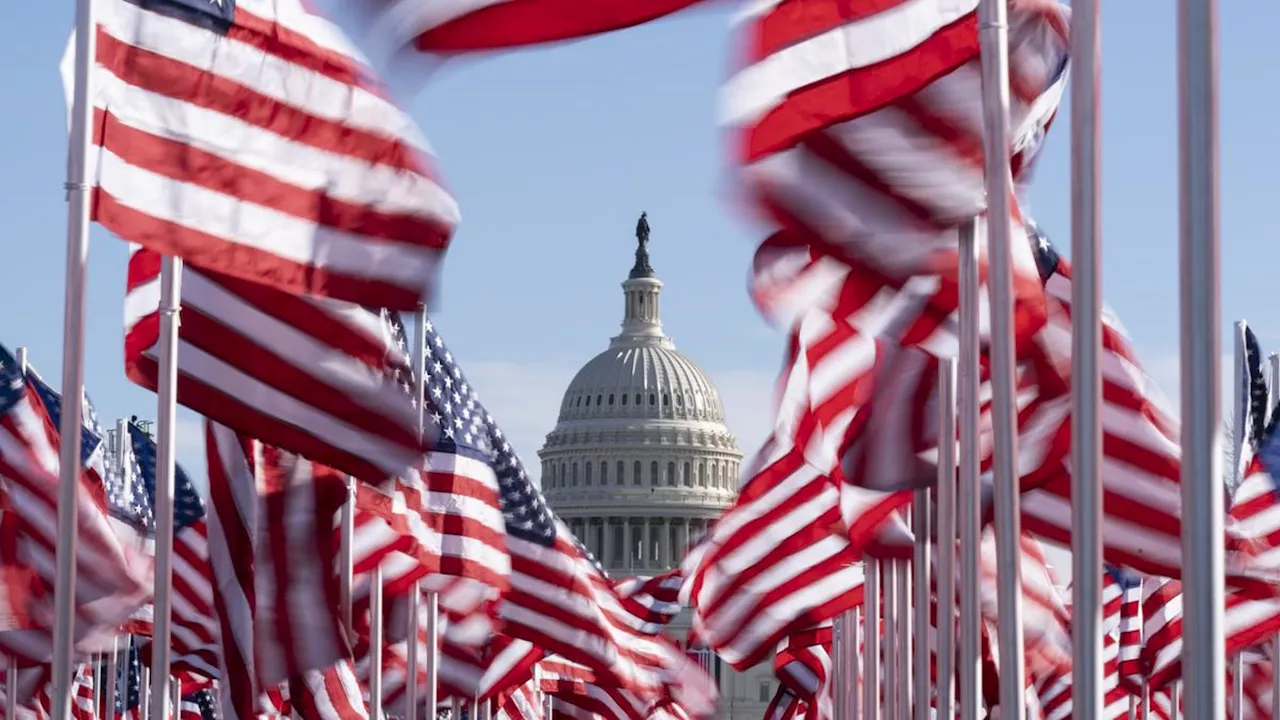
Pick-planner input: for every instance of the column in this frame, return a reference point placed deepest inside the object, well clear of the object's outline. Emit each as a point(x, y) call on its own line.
point(631, 544)
point(648, 543)
point(664, 543)
point(682, 538)
point(606, 543)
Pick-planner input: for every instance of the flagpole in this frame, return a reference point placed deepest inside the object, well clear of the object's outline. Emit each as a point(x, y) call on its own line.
point(77, 270)
point(904, 638)
point(839, 669)
point(889, 632)
point(122, 433)
point(853, 635)
point(993, 29)
point(871, 633)
point(346, 521)
point(1239, 416)
point(1273, 396)
point(969, 498)
point(166, 418)
point(1086, 369)
point(109, 703)
point(946, 561)
point(920, 604)
point(1202, 502)
point(431, 598)
point(375, 643)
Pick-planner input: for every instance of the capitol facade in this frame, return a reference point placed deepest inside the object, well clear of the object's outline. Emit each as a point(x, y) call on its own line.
point(640, 462)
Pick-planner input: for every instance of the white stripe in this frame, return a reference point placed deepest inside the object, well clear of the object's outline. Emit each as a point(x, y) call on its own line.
point(765, 84)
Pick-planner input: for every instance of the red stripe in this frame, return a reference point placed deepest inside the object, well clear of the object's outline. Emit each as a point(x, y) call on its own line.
point(185, 163)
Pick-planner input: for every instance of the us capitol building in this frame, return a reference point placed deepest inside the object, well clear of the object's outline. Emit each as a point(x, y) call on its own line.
point(640, 462)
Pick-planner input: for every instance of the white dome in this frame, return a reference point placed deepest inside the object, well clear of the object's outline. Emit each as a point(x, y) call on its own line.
point(646, 380)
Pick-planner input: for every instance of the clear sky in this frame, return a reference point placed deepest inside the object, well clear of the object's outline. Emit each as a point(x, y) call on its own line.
point(552, 155)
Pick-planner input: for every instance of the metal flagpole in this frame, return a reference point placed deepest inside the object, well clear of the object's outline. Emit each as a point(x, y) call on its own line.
point(851, 649)
point(1202, 496)
point(166, 416)
point(109, 701)
point(871, 642)
point(375, 643)
point(1086, 369)
point(175, 697)
point(77, 270)
point(969, 497)
point(346, 569)
point(411, 657)
point(1274, 366)
point(946, 562)
point(994, 37)
point(920, 611)
point(11, 672)
point(1239, 416)
point(432, 599)
point(839, 671)
point(904, 639)
point(889, 632)
point(95, 663)
point(1175, 710)
point(144, 690)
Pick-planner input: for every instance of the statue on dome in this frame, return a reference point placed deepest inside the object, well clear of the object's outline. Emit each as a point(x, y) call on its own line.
point(642, 230)
point(642, 267)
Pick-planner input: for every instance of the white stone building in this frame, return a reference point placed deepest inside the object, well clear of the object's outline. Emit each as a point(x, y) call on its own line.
point(640, 462)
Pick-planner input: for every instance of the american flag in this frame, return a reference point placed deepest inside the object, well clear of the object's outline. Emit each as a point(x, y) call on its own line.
point(272, 550)
point(247, 137)
point(448, 516)
point(194, 625)
point(92, 445)
point(457, 26)
point(111, 580)
point(314, 376)
point(859, 130)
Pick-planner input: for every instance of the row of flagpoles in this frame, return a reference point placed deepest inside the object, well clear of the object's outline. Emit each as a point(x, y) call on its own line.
point(1202, 498)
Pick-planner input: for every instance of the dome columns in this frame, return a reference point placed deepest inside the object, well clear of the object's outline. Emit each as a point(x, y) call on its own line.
point(629, 545)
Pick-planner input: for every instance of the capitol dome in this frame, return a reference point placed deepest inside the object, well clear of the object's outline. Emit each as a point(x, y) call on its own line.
point(640, 462)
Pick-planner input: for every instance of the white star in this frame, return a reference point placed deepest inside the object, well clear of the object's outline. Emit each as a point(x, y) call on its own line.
point(1044, 243)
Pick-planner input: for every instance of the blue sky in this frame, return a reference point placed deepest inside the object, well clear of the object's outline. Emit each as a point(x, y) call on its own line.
point(553, 153)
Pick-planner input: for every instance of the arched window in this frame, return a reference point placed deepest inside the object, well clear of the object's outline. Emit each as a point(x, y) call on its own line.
point(637, 398)
point(702, 474)
point(624, 398)
point(635, 473)
point(588, 401)
point(604, 473)
point(688, 476)
point(653, 473)
point(653, 399)
point(587, 479)
point(563, 475)
point(671, 474)
point(575, 474)
point(599, 400)
point(620, 466)
point(610, 399)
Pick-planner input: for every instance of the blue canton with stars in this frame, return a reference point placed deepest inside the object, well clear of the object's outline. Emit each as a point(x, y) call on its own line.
point(13, 388)
point(90, 431)
point(1125, 579)
point(456, 422)
point(1045, 254)
point(129, 680)
point(204, 700)
point(132, 497)
point(213, 15)
point(1269, 452)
